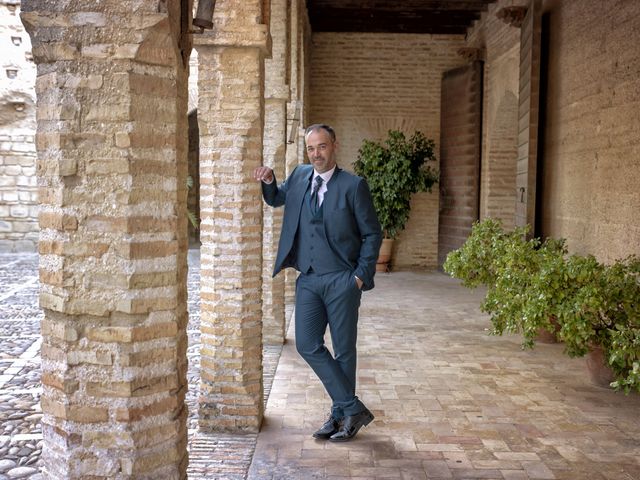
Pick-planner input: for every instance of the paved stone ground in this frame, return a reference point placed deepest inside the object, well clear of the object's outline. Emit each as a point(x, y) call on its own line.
point(212, 456)
point(216, 456)
point(20, 389)
point(451, 402)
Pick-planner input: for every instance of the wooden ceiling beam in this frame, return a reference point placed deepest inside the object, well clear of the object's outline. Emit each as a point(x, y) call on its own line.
point(372, 20)
point(395, 16)
point(446, 5)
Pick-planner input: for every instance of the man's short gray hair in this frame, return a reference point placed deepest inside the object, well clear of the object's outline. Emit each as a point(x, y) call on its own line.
point(320, 126)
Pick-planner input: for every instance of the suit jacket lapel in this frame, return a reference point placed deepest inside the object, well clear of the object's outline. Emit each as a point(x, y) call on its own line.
point(297, 192)
point(331, 195)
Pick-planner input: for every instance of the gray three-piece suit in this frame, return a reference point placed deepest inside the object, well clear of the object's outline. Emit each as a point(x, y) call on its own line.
point(330, 246)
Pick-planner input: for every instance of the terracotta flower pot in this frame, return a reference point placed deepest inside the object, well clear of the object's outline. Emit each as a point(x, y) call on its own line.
point(384, 256)
point(545, 336)
point(599, 371)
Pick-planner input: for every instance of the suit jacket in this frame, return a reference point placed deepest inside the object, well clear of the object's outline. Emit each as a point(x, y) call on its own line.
point(350, 222)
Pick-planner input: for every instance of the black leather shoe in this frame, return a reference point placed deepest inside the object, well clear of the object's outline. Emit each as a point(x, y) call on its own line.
point(330, 427)
point(350, 426)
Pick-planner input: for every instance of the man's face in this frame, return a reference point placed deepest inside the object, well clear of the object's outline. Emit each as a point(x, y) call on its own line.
point(321, 150)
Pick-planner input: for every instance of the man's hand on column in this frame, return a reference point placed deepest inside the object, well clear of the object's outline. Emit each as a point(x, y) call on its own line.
point(263, 174)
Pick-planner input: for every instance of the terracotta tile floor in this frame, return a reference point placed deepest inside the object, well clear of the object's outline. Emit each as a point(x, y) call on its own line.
point(451, 401)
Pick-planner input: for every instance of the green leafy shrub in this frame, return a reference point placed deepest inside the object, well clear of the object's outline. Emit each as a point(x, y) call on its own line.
point(396, 169)
point(602, 307)
point(533, 285)
point(477, 261)
point(529, 284)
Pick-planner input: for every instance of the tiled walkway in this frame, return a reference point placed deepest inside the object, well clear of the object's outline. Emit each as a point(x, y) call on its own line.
point(450, 401)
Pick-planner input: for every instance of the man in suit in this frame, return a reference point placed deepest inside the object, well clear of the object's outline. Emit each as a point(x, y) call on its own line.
point(331, 235)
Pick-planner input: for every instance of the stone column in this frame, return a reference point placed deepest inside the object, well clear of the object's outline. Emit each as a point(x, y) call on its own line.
point(275, 131)
point(111, 142)
point(231, 119)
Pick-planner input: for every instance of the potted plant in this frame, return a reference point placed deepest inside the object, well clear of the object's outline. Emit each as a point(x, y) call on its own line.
point(476, 262)
point(524, 298)
point(600, 317)
point(519, 275)
point(531, 285)
point(395, 169)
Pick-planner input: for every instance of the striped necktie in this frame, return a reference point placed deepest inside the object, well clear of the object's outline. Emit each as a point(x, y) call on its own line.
point(314, 194)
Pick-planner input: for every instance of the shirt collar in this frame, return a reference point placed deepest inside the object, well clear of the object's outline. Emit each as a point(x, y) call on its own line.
point(326, 176)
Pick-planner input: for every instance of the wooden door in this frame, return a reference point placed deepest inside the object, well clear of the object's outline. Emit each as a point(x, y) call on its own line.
point(460, 150)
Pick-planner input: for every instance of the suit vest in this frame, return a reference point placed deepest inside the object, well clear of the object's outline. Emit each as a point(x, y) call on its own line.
point(313, 252)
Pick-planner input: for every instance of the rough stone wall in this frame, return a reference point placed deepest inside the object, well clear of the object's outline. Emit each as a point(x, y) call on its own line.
point(18, 186)
point(366, 84)
point(591, 152)
point(112, 165)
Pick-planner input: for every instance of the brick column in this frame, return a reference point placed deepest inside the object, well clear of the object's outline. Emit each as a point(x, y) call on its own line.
point(111, 144)
point(231, 119)
point(275, 131)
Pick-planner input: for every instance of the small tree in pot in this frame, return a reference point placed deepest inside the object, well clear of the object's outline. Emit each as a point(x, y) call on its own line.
point(395, 169)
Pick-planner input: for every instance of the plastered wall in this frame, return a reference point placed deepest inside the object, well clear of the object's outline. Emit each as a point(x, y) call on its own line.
point(592, 141)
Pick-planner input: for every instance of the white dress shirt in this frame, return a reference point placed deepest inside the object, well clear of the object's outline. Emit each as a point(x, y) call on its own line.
point(326, 176)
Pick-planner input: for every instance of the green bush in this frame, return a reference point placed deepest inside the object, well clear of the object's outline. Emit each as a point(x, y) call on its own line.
point(477, 261)
point(396, 169)
point(533, 285)
point(602, 307)
point(529, 284)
